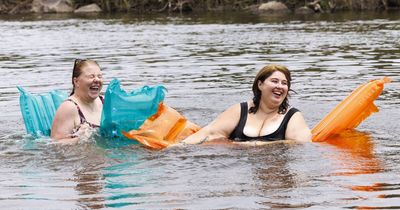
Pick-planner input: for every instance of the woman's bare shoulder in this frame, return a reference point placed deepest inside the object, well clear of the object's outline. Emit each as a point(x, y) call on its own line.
point(237, 107)
point(67, 107)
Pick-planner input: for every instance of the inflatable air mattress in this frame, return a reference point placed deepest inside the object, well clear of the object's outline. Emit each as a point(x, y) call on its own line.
point(349, 113)
point(164, 128)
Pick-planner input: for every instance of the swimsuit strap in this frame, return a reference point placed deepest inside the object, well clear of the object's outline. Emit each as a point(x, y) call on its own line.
point(280, 133)
point(237, 133)
point(82, 116)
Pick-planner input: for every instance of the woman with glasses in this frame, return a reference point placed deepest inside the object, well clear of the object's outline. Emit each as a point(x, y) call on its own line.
point(266, 118)
point(82, 110)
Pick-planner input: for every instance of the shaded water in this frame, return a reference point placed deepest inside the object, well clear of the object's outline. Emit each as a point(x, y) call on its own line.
point(207, 63)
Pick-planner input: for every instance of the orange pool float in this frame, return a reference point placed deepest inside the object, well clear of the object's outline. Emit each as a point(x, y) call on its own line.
point(164, 128)
point(349, 113)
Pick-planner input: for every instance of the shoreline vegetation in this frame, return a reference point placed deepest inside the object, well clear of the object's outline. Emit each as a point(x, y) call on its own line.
point(187, 6)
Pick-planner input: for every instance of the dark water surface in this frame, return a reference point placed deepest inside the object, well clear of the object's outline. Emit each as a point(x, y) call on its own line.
point(207, 63)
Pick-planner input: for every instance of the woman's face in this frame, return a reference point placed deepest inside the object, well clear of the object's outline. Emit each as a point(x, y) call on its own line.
point(89, 82)
point(274, 89)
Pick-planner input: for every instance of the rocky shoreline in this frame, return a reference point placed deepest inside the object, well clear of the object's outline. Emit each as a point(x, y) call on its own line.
point(48, 6)
point(159, 6)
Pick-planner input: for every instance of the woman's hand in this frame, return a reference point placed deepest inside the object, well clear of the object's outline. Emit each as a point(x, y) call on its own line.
point(83, 132)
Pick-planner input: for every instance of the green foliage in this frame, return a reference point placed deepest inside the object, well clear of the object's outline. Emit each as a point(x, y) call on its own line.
point(167, 5)
point(209, 5)
point(146, 6)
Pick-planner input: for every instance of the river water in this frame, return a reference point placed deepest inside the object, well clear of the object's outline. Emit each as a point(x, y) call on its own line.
point(207, 63)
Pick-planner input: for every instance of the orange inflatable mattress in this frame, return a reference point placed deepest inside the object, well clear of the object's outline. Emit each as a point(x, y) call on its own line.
point(349, 113)
point(164, 128)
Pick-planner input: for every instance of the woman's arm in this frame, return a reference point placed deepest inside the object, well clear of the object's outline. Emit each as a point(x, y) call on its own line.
point(64, 123)
point(297, 128)
point(220, 128)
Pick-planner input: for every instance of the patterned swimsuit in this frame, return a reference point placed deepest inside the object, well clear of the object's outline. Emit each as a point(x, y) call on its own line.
point(82, 117)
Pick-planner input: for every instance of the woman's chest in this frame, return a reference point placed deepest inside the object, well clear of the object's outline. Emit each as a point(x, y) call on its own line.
point(257, 126)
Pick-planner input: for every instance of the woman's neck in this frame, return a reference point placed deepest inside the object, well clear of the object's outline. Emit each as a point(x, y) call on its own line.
point(267, 113)
point(85, 101)
point(268, 110)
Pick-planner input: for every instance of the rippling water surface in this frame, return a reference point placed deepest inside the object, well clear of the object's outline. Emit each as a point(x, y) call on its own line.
point(207, 63)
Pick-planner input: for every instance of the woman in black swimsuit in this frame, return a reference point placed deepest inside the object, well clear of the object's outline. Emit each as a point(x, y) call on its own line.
point(266, 118)
point(82, 110)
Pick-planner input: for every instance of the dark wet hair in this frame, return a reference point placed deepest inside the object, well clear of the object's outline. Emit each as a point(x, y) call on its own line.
point(77, 70)
point(263, 74)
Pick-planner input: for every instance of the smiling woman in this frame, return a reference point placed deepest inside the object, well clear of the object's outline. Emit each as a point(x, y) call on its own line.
point(266, 118)
point(82, 110)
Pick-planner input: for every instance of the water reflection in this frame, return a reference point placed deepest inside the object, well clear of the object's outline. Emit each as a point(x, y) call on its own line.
point(357, 153)
point(89, 187)
point(275, 176)
point(124, 177)
point(273, 171)
point(86, 161)
point(384, 201)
